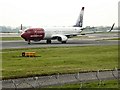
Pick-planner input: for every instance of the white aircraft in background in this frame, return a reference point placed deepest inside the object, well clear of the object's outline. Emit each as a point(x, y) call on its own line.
point(51, 33)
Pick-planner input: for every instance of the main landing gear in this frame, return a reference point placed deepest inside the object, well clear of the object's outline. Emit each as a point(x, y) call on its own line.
point(63, 42)
point(48, 41)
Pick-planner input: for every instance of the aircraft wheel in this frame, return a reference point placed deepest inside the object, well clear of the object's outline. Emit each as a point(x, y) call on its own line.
point(28, 41)
point(63, 42)
point(48, 41)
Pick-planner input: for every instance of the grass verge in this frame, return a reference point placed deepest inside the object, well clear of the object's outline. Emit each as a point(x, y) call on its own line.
point(95, 84)
point(56, 60)
point(10, 38)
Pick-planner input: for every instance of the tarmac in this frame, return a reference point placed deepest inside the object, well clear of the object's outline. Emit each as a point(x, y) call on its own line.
point(85, 40)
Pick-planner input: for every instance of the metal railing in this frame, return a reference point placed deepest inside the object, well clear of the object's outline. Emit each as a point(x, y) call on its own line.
point(43, 81)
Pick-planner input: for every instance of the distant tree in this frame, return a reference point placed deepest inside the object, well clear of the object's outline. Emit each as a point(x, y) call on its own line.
point(8, 29)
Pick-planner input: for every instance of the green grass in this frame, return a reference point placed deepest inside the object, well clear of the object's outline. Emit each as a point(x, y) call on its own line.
point(58, 60)
point(95, 84)
point(10, 38)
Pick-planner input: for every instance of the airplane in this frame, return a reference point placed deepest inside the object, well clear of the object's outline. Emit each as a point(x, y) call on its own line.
point(51, 33)
point(55, 33)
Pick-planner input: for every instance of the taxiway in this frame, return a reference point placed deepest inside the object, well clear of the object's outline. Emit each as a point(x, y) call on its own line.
point(73, 42)
point(87, 40)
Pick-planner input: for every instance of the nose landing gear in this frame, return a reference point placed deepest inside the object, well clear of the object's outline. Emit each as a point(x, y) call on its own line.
point(28, 41)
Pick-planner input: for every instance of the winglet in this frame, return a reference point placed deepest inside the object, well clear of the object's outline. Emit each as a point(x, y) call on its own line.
point(112, 27)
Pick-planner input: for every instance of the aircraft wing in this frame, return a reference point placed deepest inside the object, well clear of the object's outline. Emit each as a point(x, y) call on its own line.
point(86, 31)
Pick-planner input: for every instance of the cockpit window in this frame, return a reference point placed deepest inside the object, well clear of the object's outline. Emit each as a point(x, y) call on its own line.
point(28, 31)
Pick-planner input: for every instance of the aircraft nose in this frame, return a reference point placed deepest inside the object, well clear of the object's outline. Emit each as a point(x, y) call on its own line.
point(23, 35)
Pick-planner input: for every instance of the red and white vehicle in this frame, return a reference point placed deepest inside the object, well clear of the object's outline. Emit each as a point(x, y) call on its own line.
point(51, 33)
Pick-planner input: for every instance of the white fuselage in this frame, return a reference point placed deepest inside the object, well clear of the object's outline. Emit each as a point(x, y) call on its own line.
point(51, 31)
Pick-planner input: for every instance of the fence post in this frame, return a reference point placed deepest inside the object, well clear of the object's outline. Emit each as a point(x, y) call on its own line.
point(81, 84)
point(77, 76)
point(57, 77)
point(36, 78)
point(115, 69)
point(14, 84)
point(100, 80)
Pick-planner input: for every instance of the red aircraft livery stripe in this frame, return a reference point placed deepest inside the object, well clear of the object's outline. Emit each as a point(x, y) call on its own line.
point(34, 34)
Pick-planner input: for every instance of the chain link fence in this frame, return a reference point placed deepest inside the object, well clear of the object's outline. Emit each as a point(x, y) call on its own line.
point(43, 81)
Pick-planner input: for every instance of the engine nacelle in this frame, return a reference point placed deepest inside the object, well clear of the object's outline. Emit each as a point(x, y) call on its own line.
point(62, 38)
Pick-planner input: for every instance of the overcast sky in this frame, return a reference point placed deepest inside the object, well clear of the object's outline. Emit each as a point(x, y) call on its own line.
point(58, 12)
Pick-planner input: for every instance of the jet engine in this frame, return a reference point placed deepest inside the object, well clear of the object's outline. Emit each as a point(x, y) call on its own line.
point(62, 38)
